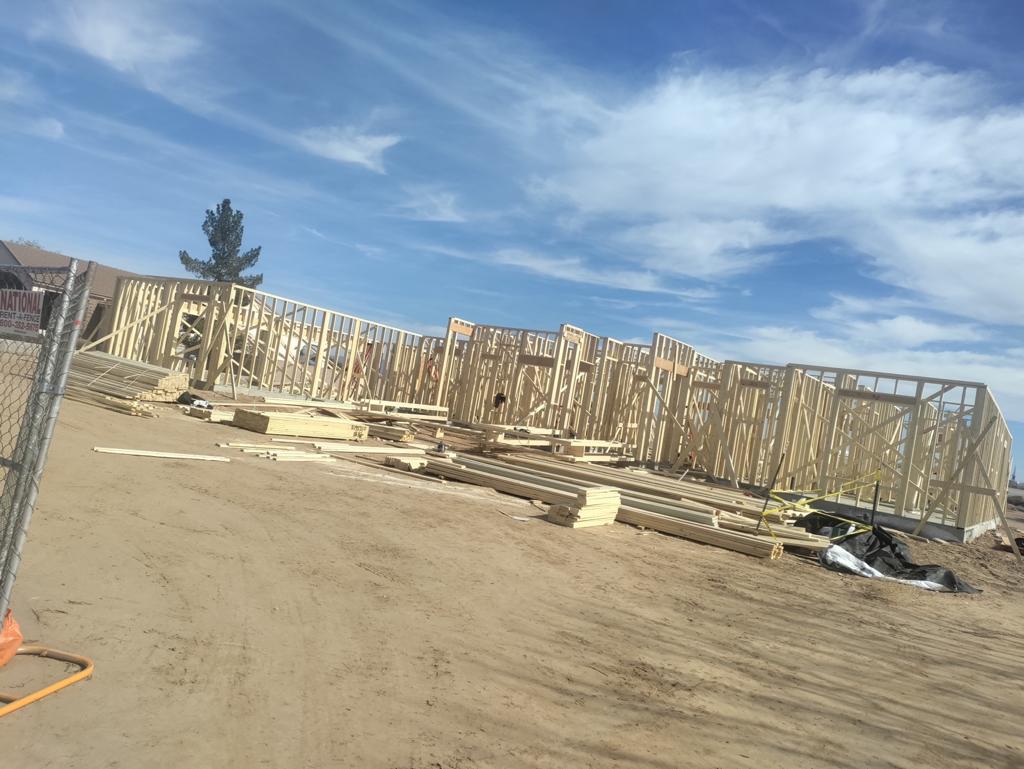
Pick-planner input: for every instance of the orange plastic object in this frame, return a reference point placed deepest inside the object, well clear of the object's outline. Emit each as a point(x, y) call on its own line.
point(10, 638)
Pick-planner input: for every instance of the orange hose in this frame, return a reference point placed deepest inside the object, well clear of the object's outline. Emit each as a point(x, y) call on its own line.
point(84, 663)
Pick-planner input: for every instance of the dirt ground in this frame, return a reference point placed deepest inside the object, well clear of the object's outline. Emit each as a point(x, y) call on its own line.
point(262, 614)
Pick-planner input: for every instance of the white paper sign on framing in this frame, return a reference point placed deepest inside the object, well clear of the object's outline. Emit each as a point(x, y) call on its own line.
point(20, 311)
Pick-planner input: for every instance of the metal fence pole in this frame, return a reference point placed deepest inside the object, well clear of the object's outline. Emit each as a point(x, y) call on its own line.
point(42, 417)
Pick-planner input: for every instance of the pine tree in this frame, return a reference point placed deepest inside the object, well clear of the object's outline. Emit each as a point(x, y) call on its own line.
point(223, 228)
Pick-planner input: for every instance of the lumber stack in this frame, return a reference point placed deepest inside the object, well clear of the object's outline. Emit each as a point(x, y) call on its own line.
point(792, 537)
point(740, 542)
point(125, 386)
point(717, 497)
point(554, 476)
point(735, 510)
point(210, 415)
point(664, 515)
point(98, 372)
point(580, 450)
point(130, 407)
point(304, 425)
point(391, 432)
point(409, 464)
point(594, 507)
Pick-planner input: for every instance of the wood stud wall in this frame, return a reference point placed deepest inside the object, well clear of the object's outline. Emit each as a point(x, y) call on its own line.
point(938, 445)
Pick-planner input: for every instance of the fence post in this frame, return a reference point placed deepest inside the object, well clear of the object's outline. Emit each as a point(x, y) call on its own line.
point(41, 417)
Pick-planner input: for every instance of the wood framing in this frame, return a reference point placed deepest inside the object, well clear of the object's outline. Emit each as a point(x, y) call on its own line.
point(253, 341)
point(940, 449)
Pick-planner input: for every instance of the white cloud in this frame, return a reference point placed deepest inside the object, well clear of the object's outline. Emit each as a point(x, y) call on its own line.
point(888, 322)
point(706, 249)
point(14, 205)
point(346, 144)
point(576, 270)
point(707, 170)
point(1001, 371)
point(159, 46)
point(970, 263)
point(15, 86)
point(431, 204)
point(132, 37)
point(47, 127)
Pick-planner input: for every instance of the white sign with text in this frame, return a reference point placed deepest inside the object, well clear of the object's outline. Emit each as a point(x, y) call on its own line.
point(20, 311)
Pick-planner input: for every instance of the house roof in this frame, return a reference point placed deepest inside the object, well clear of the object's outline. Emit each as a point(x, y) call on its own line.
point(104, 279)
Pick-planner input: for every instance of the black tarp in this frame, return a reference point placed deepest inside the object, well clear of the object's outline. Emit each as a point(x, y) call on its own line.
point(882, 551)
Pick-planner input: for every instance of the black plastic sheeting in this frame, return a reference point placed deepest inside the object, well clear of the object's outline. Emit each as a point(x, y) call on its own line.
point(880, 550)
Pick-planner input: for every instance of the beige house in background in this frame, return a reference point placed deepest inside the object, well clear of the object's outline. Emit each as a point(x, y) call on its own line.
point(104, 279)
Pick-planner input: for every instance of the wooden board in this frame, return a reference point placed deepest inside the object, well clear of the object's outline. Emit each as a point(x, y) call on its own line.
point(159, 454)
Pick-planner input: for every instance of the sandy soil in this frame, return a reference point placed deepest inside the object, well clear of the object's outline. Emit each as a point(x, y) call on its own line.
point(291, 615)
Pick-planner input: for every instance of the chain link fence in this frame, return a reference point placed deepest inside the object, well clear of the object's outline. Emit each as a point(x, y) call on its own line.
point(34, 359)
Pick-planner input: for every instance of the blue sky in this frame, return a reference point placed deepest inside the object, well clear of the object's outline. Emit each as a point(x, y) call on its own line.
point(833, 182)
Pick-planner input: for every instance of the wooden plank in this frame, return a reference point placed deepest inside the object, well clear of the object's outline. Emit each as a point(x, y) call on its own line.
point(457, 326)
point(159, 454)
point(342, 448)
point(671, 367)
point(544, 361)
point(867, 395)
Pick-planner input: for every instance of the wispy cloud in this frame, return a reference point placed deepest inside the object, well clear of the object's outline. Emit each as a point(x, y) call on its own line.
point(15, 205)
point(47, 127)
point(710, 172)
point(782, 343)
point(141, 148)
point(913, 166)
point(139, 38)
point(160, 46)
point(15, 86)
point(577, 270)
point(346, 144)
point(670, 185)
point(431, 204)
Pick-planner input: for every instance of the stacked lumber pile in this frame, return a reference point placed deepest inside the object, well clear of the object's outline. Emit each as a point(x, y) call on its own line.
point(399, 433)
point(736, 510)
point(121, 385)
point(305, 425)
point(594, 507)
point(409, 464)
point(580, 450)
point(680, 518)
point(210, 415)
point(453, 436)
point(716, 497)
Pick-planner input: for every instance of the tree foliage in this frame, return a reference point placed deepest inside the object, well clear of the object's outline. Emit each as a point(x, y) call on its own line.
point(224, 229)
point(27, 242)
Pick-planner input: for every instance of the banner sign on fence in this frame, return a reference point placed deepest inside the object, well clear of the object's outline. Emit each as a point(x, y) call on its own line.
point(20, 311)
